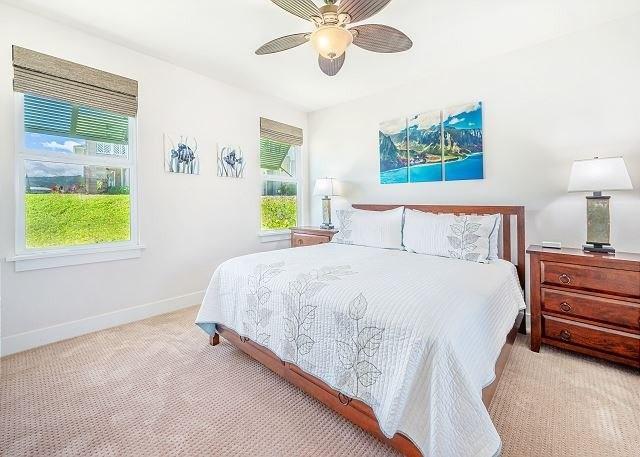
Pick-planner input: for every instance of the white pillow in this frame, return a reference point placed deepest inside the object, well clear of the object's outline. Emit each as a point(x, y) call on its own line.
point(446, 235)
point(493, 239)
point(378, 229)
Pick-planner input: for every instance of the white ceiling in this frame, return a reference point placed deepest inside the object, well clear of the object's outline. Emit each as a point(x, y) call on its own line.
point(218, 38)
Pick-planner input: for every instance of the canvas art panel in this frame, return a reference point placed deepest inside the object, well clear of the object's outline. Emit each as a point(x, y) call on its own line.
point(425, 151)
point(181, 154)
point(393, 151)
point(231, 162)
point(442, 145)
point(463, 142)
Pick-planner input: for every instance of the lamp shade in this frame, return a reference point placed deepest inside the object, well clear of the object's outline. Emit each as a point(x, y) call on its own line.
point(595, 175)
point(326, 186)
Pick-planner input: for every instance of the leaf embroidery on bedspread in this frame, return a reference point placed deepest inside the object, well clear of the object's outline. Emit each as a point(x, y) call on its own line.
point(301, 309)
point(257, 312)
point(463, 239)
point(356, 345)
point(344, 227)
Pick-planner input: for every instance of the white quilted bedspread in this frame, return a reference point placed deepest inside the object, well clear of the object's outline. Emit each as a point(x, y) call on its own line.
point(416, 337)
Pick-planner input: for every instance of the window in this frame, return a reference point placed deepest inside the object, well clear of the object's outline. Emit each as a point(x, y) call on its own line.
point(280, 163)
point(279, 205)
point(76, 174)
point(75, 163)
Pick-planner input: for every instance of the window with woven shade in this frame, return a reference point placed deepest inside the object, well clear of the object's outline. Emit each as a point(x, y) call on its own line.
point(280, 150)
point(75, 156)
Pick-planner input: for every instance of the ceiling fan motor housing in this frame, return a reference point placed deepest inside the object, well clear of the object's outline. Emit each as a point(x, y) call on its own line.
point(330, 16)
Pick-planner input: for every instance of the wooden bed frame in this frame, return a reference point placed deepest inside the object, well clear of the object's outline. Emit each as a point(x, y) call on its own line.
point(356, 411)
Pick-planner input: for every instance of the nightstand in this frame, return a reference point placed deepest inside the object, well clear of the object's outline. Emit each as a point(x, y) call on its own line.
point(308, 236)
point(587, 303)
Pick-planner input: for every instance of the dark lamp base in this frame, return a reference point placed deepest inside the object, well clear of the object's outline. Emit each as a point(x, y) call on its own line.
point(327, 226)
point(598, 247)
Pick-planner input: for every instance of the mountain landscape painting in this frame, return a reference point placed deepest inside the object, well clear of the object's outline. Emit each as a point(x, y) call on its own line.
point(425, 147)
point(443, 145)
point(393, 152)
point(462, 142)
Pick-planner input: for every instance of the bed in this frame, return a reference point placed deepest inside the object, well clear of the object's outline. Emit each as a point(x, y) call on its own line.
point(409, 347)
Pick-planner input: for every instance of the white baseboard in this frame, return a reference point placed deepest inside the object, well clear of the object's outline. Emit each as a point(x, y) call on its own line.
point(34, 338)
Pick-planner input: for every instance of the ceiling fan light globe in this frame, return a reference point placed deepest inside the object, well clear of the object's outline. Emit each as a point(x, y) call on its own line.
point(331, 41)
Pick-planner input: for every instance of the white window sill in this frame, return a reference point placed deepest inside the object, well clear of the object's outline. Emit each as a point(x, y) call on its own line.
point(78, 256)
point(274, 235)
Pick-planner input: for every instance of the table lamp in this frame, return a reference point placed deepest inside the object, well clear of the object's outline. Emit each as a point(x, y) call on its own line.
point(597, 175)
point(327, 187)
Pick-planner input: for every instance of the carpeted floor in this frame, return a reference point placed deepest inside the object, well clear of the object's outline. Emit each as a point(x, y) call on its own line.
point(155, 387)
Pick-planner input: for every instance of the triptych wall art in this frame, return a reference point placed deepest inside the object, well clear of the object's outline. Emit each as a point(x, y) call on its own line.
point(181, 155)
point(442, 145)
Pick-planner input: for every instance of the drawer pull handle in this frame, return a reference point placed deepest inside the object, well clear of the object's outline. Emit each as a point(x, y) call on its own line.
point(565, 335)
point(300, 241)
point(565, 278)
point(566, 307)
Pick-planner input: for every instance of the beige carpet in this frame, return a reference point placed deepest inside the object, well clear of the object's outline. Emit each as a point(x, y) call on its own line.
point(156, 387)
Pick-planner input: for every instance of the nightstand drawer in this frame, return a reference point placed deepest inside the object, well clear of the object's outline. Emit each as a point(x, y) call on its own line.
point(618, 282)
point(615, 312)
point(592, 337)
point(299, 239)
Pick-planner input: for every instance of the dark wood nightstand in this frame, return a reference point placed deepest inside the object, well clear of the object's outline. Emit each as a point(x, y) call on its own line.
point(308, 236)
point(586, 302)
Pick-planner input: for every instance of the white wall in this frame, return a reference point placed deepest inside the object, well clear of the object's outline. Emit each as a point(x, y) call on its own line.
point(189, 224)
point(544, 106)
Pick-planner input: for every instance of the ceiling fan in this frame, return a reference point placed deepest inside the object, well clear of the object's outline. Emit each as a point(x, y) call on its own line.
point(331, 37)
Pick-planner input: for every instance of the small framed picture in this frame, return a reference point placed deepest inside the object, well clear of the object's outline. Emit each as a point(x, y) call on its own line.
point(231, 162)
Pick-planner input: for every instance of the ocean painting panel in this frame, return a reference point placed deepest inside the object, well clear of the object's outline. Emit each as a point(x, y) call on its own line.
point(393, 152)
point(425, 149)
point(463, 146)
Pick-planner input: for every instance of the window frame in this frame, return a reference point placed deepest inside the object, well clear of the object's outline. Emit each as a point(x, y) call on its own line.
point(35, 258)
point(298, 180)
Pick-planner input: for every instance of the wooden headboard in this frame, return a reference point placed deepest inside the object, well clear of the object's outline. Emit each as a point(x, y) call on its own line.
point(507, 212)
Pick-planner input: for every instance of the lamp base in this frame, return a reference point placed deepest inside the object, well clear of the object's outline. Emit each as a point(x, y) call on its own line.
point(326, 213)
point(598, 247)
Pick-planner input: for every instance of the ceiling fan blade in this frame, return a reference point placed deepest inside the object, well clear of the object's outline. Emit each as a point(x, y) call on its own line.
point(381, 38)
point(282, 44)
point(359, 10)
point(331, 67)
point(301, 8)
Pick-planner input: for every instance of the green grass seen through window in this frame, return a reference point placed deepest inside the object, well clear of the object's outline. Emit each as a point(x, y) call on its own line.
point(279, 212)
point(75, 219)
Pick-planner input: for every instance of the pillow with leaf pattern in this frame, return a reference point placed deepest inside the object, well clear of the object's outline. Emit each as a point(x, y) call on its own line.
point(464, 237)
point(378, 229)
